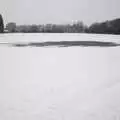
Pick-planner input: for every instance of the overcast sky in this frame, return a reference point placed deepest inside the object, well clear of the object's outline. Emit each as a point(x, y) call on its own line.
point(58, 11)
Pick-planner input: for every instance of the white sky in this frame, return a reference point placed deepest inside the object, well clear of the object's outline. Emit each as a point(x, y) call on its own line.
point(58, 11)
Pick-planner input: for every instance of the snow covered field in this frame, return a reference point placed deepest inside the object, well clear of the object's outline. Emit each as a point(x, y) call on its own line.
point(74, 83)
point(43, 37)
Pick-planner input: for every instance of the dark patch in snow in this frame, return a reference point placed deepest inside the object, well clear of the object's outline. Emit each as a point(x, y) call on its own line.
point(65, 44)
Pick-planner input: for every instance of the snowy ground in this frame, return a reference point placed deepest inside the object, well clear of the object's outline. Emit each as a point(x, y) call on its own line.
point(74, 83)
point(43, 37)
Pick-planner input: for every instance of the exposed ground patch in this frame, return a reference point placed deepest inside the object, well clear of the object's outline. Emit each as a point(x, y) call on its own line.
point(64, 44)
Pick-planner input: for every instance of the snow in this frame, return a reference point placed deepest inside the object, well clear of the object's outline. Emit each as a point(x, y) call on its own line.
point(43, 37)
point(74, 83)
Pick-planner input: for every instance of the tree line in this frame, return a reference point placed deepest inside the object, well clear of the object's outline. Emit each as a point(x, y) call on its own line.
point(48, 28)
point(106, 27)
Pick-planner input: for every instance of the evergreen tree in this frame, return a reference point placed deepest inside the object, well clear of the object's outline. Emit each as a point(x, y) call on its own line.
point(1, 24)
